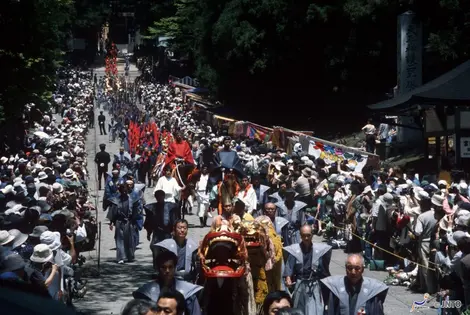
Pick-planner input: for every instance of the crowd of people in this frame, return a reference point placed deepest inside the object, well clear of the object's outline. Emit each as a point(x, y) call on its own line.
point(46, 218)
point(414, 226)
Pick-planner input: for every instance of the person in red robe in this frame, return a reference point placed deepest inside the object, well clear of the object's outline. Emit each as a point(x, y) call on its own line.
point(179, 149)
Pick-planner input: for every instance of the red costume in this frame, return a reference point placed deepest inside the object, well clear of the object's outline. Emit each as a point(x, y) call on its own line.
point(180, 150)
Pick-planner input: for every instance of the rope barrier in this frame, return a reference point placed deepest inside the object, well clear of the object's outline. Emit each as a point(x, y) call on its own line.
point(380, 248)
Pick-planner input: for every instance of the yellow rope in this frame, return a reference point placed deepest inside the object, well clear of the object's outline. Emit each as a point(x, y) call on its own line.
point(380, 248)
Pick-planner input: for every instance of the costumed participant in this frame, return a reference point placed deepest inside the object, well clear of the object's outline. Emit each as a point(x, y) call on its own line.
point(279, 195)
point(110, 188)
point(184, 248)
point(228, 187)
point(166, 266)
point(138, 193)
point(228, 287)
point(153, 161)
point(260, 256)
point(247, 194)
point(202, 196)
point(274, 264)
point(145, 167)
point(280, 224)
point(239, 209)
point(160, 162)
point(306, 265)
point(261, 194)
point(353, 294)
point(122, 158)
point(227, 158)
point(159, 221)
point(291, 210)
point(179, 149)
point(123, 214)
point(169, 185)
point(227, 217)
point(134, 165)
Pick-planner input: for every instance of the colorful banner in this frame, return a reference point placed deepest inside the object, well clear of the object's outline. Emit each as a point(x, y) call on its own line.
point(254, 131)
point(332, 155)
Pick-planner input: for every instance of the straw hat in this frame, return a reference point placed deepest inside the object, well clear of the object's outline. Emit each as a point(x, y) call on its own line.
point(19, 238)
point(437, 200)
point(41, 254)
point(5, 237)
point(51, 239)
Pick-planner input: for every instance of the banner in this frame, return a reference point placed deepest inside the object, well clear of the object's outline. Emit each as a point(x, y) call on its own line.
point(330, 155)
point(255, 131)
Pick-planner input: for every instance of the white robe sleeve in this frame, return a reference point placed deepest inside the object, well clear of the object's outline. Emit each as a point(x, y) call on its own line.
point(252, 201)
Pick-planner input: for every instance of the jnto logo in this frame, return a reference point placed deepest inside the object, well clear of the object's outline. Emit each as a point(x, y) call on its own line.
point(425, 304)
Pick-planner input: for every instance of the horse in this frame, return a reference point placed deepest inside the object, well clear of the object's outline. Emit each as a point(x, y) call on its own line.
point(187, 175)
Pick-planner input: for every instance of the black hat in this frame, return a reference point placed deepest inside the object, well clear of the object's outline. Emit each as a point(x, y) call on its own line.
point(240, 202)
point(38, 230)
point(289, 191)
point(12, 262)
point(45, 207)
point(102, 145)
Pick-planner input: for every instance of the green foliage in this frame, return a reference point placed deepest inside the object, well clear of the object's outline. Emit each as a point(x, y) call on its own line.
point(30, 51)
point(345, 48)
point(90, 13)
point(448, 24)
point(33, 44)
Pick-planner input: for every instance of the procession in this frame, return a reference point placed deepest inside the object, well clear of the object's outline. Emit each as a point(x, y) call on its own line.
point(259, 244)
point(269, 219)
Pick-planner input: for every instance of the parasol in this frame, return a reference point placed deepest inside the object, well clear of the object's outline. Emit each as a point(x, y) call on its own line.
point(54, 141)
point(41, 134)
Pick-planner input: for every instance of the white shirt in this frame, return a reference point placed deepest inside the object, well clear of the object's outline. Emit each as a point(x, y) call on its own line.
point(170, 187)
point(369, 129)
point(201, 185)
point(250, 200)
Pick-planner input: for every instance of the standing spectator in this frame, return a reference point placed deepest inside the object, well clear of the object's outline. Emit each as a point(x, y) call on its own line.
point(102, 159)
point(370, 132)
point(101, 122)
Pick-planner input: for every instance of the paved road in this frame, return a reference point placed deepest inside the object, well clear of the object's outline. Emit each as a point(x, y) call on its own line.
point(110, 291)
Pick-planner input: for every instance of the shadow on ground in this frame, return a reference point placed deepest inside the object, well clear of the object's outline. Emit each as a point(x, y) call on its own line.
point(114, 286)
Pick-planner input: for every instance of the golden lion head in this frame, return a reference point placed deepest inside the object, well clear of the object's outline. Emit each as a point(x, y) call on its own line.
point(253, 232)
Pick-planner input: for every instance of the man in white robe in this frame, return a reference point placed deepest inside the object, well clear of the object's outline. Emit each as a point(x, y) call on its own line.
point(169, 185)
point(247, 194)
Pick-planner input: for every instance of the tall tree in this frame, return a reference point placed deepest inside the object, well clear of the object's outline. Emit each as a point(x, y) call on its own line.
point(30, 52)
point(306, 53)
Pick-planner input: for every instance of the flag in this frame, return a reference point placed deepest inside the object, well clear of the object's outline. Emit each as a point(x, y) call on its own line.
point(255, 131)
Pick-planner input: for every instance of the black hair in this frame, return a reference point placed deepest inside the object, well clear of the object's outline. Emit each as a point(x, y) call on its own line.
point(180, 221)
point(322, 174)
point(275, 296)
point(464, 245)
point(290, 311)
point(138, 307)
point(165, 256)
point(320, 163)
point(158, 192)
point(175, 295)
